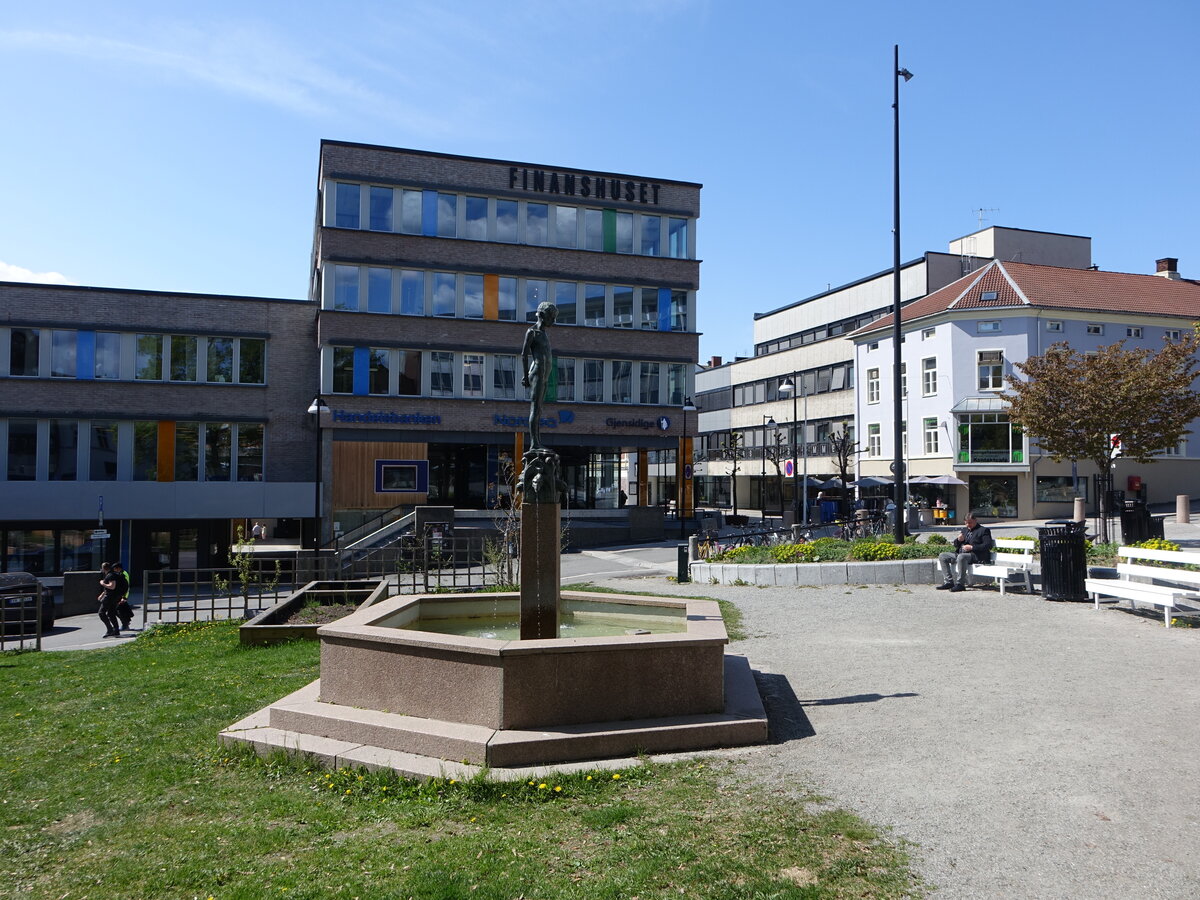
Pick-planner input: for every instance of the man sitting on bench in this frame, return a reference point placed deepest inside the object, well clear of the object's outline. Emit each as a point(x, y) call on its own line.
point(973, 545)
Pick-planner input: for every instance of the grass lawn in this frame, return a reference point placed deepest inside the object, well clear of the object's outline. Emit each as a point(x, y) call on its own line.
point(113, 784)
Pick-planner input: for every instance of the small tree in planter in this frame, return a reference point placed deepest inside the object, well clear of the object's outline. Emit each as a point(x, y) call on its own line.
point(245, 574)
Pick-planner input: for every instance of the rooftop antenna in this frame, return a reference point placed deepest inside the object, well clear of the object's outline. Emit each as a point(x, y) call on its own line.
point(979, 213)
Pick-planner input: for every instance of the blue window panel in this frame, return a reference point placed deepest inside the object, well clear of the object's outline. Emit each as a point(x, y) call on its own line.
point(85, 355)
point(429, 211)
point(664, 309)
point(362, 371)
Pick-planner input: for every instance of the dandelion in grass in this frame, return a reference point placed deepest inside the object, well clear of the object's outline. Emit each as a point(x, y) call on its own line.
point(557, 788)
point(616, 776)
point(542, 786)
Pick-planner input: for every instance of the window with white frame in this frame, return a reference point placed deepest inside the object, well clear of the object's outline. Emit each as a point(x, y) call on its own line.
point(872, 385)
point(1171, 334)
point(1095, 328)
point(1133, 331)
point(904, 380)
point(931, 436)
point(1054, 326)
point(991, 370)
point(987, 326)
point(928, 333)
point(874, 441)
point(873, 345)
point(929, 377)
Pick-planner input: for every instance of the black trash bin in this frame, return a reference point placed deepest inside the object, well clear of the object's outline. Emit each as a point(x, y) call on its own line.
point(1155, 529)
point(1135, 522)
point(1064, 560)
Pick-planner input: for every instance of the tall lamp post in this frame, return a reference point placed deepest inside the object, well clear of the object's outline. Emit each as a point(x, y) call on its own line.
point(685, 462)
point(795, 386)
point(318, 408)
point(897, 410)
point(768, 422)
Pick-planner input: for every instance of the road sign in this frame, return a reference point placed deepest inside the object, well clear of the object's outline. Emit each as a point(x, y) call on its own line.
point(687, 471)
point(789, 469)
point(100, 535)
point(1114, 445)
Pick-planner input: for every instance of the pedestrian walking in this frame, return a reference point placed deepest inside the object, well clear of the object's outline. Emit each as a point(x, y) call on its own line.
point(124, 610)
point(109, 594)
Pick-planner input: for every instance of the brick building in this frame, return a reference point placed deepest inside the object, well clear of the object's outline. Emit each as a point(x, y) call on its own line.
point(427, 269)
point(161, 417)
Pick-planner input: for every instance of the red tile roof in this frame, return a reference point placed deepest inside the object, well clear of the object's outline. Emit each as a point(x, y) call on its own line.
point(1051, 287)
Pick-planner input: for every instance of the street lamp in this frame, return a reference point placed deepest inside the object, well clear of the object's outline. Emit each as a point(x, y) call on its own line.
point(317, 408)
point(768, 422)
point(799, 506)
point(684, 462)
point(897, 410)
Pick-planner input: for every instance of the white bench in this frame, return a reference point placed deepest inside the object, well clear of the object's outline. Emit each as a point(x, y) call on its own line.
point(1138, 582)
point(1012, 557)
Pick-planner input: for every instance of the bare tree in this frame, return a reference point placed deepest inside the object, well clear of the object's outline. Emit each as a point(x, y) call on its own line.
point(844, 448)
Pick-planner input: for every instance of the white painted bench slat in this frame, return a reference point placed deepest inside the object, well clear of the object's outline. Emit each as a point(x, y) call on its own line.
point(1012, 557)
point(1131, 584)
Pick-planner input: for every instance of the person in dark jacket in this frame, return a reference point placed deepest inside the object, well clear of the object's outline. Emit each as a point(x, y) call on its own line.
point(124, 610)
point(973, 545)
point(109, 594)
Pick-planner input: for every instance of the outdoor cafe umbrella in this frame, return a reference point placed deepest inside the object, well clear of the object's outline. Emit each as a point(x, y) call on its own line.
point(870, 481)
point(942, 479)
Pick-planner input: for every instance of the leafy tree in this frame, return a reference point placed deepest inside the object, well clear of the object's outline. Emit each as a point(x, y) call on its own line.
point(1072, 402)
point(247, 573)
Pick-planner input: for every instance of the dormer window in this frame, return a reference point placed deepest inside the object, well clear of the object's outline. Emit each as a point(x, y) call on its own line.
point(989, 295)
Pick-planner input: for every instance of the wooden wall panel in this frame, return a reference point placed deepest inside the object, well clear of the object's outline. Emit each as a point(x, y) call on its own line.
point(354, 474)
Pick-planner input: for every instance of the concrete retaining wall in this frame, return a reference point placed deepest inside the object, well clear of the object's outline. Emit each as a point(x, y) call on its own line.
point(899, 571)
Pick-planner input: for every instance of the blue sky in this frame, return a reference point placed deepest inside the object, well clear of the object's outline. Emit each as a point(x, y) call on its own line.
point(158, 146)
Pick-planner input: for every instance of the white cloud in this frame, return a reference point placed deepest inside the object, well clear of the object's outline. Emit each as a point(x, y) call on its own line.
point(9, 272)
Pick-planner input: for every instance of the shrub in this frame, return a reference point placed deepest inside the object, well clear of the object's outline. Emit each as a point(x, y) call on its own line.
point(939, 539)
point(792, 553)
point(919, 551)
point(874, 551)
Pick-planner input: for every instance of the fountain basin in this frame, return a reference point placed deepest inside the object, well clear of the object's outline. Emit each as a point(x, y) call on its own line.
point(371, 660)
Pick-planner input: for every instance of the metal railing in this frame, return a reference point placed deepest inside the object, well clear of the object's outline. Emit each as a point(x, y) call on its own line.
point(432, 565)
point(21, 620)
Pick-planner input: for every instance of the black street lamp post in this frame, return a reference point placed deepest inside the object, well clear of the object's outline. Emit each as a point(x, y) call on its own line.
point(897, 409)
point(768, 422)
point(795, 386)
point(684, 462)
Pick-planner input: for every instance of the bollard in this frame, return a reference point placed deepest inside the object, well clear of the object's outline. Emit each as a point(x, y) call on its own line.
point(797, 533)
point(1078, 514)
point(1183, 509)
point(693, 548)
point(682, 574)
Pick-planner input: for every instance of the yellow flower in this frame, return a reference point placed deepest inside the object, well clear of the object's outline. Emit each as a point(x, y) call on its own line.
point(589, 778)
point(558, 787)
point(452, 781)
point(616, 776)
point(542, 786)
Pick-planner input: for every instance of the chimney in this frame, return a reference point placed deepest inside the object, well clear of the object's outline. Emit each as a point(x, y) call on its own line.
point(1167, 267)
point(714, 362)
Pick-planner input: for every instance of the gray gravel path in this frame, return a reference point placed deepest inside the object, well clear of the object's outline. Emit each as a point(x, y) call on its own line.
point(1030, 749)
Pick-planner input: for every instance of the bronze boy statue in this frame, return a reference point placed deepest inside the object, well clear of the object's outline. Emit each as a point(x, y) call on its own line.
point(538, 362)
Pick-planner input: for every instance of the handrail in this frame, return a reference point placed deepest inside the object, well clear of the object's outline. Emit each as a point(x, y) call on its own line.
point(394, 525)
point(367, 527)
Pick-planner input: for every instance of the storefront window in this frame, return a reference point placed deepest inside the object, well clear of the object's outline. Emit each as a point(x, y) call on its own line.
point(1059, 489)
point(992, 495)
point(30, 551)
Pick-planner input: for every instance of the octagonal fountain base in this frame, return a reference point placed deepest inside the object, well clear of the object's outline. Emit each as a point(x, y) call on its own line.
point(424, 702)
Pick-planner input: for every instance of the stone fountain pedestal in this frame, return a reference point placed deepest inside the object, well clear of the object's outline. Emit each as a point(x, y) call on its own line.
point(428, 704)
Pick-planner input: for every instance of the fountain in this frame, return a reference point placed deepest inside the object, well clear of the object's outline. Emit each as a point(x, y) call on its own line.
point(414, 681)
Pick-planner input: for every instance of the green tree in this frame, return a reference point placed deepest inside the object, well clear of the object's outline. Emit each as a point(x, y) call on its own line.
point(1073, 402)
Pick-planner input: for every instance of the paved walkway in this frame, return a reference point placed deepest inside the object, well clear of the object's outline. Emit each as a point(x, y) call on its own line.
point(1028, 748)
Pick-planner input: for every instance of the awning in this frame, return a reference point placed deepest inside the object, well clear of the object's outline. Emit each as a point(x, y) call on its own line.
point(991, 403)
